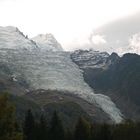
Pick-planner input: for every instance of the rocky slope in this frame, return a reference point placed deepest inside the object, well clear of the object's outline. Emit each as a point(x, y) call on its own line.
point(46, 98)
point(114, 76)
point(68, 111)
point(90, 59)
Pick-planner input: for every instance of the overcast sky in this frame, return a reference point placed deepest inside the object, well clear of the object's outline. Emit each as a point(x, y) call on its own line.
point(70, 21)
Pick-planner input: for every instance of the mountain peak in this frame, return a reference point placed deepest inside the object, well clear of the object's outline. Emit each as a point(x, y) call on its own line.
point(47, 42)
point(12, 38)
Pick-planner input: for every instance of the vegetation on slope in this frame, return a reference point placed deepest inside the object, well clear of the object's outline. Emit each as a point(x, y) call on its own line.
point(34, 129)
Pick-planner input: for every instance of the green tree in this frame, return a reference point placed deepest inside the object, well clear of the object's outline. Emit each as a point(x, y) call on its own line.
point(69, 135)
point(105, 133)
point(82, 130)
point(126, 131)
point(56, 131)
point(42, 131)
point(8, 123)
point(29, 126)
point(95, 129)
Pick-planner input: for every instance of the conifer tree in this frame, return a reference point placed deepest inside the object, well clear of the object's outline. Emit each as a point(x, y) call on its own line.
point(42, 129)
point(56, 131)
point(29, 126)
point(105, 133)
point(8, 123)
point(82, 130)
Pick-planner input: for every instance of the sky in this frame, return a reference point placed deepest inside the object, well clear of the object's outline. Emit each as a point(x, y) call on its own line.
point(70, 21)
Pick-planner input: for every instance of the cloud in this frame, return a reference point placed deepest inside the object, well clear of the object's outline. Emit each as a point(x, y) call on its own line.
point(98, 39)
point(134, 40)
point(81, 42)
point(133, 45)
point(88, 41)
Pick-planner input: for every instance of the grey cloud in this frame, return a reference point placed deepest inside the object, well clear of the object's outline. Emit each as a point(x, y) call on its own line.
point(118, 32)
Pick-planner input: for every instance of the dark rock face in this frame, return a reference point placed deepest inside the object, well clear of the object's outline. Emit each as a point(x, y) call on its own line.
point(119, 78)
point(122, 76)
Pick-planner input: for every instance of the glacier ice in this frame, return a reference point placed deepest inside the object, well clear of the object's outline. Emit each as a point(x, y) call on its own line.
point(13, 38)
point(55, 70)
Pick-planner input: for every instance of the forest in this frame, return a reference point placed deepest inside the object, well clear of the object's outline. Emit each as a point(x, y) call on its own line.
point(39, 129)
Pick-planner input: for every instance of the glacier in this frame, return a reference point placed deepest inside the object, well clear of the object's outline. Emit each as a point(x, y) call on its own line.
point(55, 70)
point(49, 69)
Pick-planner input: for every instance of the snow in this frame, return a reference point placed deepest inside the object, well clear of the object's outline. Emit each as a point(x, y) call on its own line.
point(12, 38)
point(49, 69)
point(90, 58)
point(47, 42)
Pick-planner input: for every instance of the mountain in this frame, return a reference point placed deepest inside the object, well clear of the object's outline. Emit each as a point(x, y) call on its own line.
point(48, 70)
point(56, 72)
point(12, 38)
point(114, 76)
point(90, 59)
point(47, 42)
point(103, 87)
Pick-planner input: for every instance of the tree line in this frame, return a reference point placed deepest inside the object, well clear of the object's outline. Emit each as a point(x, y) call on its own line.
point(34, 129)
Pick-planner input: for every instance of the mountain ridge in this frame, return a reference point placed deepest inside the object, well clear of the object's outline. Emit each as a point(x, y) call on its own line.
point(118, 78)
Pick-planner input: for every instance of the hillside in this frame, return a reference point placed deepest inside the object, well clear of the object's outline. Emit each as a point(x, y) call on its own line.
point(116, 77)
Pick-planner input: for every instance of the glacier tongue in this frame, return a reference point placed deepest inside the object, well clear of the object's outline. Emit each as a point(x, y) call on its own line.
point(107, 106)
point(55, 70)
